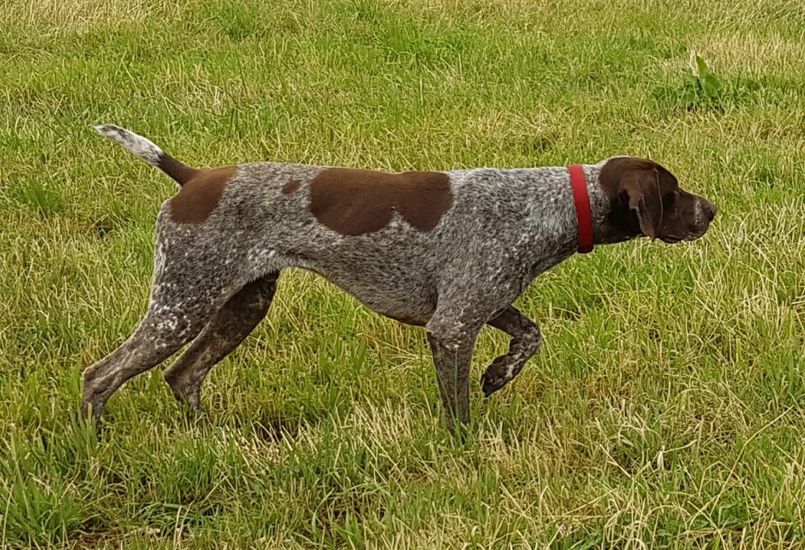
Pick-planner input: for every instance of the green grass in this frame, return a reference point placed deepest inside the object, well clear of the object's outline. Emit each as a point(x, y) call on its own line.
point(667, 406)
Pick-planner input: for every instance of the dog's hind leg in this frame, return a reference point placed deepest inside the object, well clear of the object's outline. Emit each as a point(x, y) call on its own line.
point(222, 334)
point(525, 342)
point(158, 336)
point(188, 289)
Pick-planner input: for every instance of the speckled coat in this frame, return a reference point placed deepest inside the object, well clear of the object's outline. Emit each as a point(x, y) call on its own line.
point(449, 251)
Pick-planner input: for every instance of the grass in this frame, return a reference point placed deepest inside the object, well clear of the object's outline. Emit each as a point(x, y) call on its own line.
point(667, 406)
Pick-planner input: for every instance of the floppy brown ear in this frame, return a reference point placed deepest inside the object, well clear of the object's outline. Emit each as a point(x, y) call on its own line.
point(642, 187)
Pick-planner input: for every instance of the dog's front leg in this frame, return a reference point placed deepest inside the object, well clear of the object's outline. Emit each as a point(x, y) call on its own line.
point(525, 342)
point(452, 344)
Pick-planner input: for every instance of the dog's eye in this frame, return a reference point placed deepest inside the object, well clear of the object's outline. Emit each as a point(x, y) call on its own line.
point(670, 199)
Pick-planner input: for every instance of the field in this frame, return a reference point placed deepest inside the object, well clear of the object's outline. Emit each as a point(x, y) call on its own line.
point(666, 407)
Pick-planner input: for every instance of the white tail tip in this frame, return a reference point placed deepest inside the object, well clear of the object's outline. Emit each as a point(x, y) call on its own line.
point(140, 146)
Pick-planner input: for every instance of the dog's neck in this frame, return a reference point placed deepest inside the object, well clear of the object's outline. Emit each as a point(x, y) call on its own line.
point(599, 203)
point(605, 210)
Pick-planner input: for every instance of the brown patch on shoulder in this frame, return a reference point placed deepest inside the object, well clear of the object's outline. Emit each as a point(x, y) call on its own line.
point(198, 197)
point(290, 186)
point(356, 202)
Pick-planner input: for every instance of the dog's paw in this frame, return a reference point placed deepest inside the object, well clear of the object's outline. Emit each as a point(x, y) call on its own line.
point(491, 383)
point(498, 374)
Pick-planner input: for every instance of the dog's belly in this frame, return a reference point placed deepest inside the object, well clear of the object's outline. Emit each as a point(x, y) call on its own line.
point(402, 298)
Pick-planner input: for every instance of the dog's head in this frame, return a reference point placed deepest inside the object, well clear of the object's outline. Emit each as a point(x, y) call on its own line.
point(645, 199)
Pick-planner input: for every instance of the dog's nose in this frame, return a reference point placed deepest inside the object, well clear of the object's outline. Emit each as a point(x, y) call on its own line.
point(709, 210)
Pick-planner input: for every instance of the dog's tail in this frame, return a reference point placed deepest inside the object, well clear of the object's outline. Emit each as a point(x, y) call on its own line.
point(149, 152)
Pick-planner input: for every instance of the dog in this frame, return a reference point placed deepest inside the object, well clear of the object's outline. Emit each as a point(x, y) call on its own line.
point(449, 251)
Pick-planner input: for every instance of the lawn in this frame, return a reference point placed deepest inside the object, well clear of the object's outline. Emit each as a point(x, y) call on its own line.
point(666, 407)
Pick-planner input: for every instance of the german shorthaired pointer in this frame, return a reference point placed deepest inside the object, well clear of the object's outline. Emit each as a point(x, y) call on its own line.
point(449, 251)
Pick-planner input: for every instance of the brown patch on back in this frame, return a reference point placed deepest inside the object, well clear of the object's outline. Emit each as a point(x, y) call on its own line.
point(290, 186)
point(198, 197)
point(356, 202)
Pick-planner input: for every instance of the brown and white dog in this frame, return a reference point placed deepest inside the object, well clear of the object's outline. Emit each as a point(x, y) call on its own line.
point(449, 251)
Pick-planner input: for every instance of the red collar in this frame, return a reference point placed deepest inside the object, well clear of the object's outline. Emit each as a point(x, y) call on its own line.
point(582, 200)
